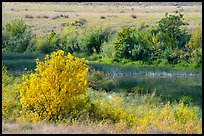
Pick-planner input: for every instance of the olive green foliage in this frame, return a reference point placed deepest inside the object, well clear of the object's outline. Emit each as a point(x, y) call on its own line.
point(93, 39)
point(196, 39)
point(108, 49)
point(170, 39)
point(47, 44)
point(5, 77)
point(162, 44)
point(169, 32)
point(70, 39)
point(16, 36)
point(131, 43)
point(41, 44)
point(195, 46)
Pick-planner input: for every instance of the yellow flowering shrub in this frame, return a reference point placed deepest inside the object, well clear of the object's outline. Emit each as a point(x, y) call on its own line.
point(57, 87)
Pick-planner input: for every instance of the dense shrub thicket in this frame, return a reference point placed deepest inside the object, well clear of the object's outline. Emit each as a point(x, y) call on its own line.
point(167, 42)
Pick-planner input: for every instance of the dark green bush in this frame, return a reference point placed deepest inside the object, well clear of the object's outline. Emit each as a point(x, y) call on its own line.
point(132, 43)
point(169, 31)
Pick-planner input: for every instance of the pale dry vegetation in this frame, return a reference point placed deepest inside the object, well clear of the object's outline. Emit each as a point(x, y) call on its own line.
point(86, 127)
point(116, 16)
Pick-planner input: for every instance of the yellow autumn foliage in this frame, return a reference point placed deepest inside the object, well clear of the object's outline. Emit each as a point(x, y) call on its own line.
point(56, 86)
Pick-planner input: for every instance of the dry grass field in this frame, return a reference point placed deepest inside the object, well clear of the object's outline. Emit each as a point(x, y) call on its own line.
point(96, 15)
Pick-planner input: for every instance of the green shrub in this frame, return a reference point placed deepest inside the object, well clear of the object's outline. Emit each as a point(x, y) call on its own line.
point(195, 47)
point(108, 50)
point(43, 45)
point(196, 39)
point(93, 39)
point(132, 43)
point(70, 39)
point(169, 31)
point(16, 36)
point(94, 78)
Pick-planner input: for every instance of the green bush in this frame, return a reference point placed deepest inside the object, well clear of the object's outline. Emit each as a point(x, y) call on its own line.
point(108, 50)
point(42, 45)
point(169, 32)
point(16, 36)
point(93, 39)
point(70, 39)
point(196, 39)
point(195, 47)
point(47, 44)
point(132, 43)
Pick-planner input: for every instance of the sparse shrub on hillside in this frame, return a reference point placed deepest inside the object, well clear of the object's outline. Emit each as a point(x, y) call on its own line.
point(80, 22)
point(103, 17)
point(133, 16)
point(57, 89)
point(29, 16)
point(66, 16)
point(44, 16)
